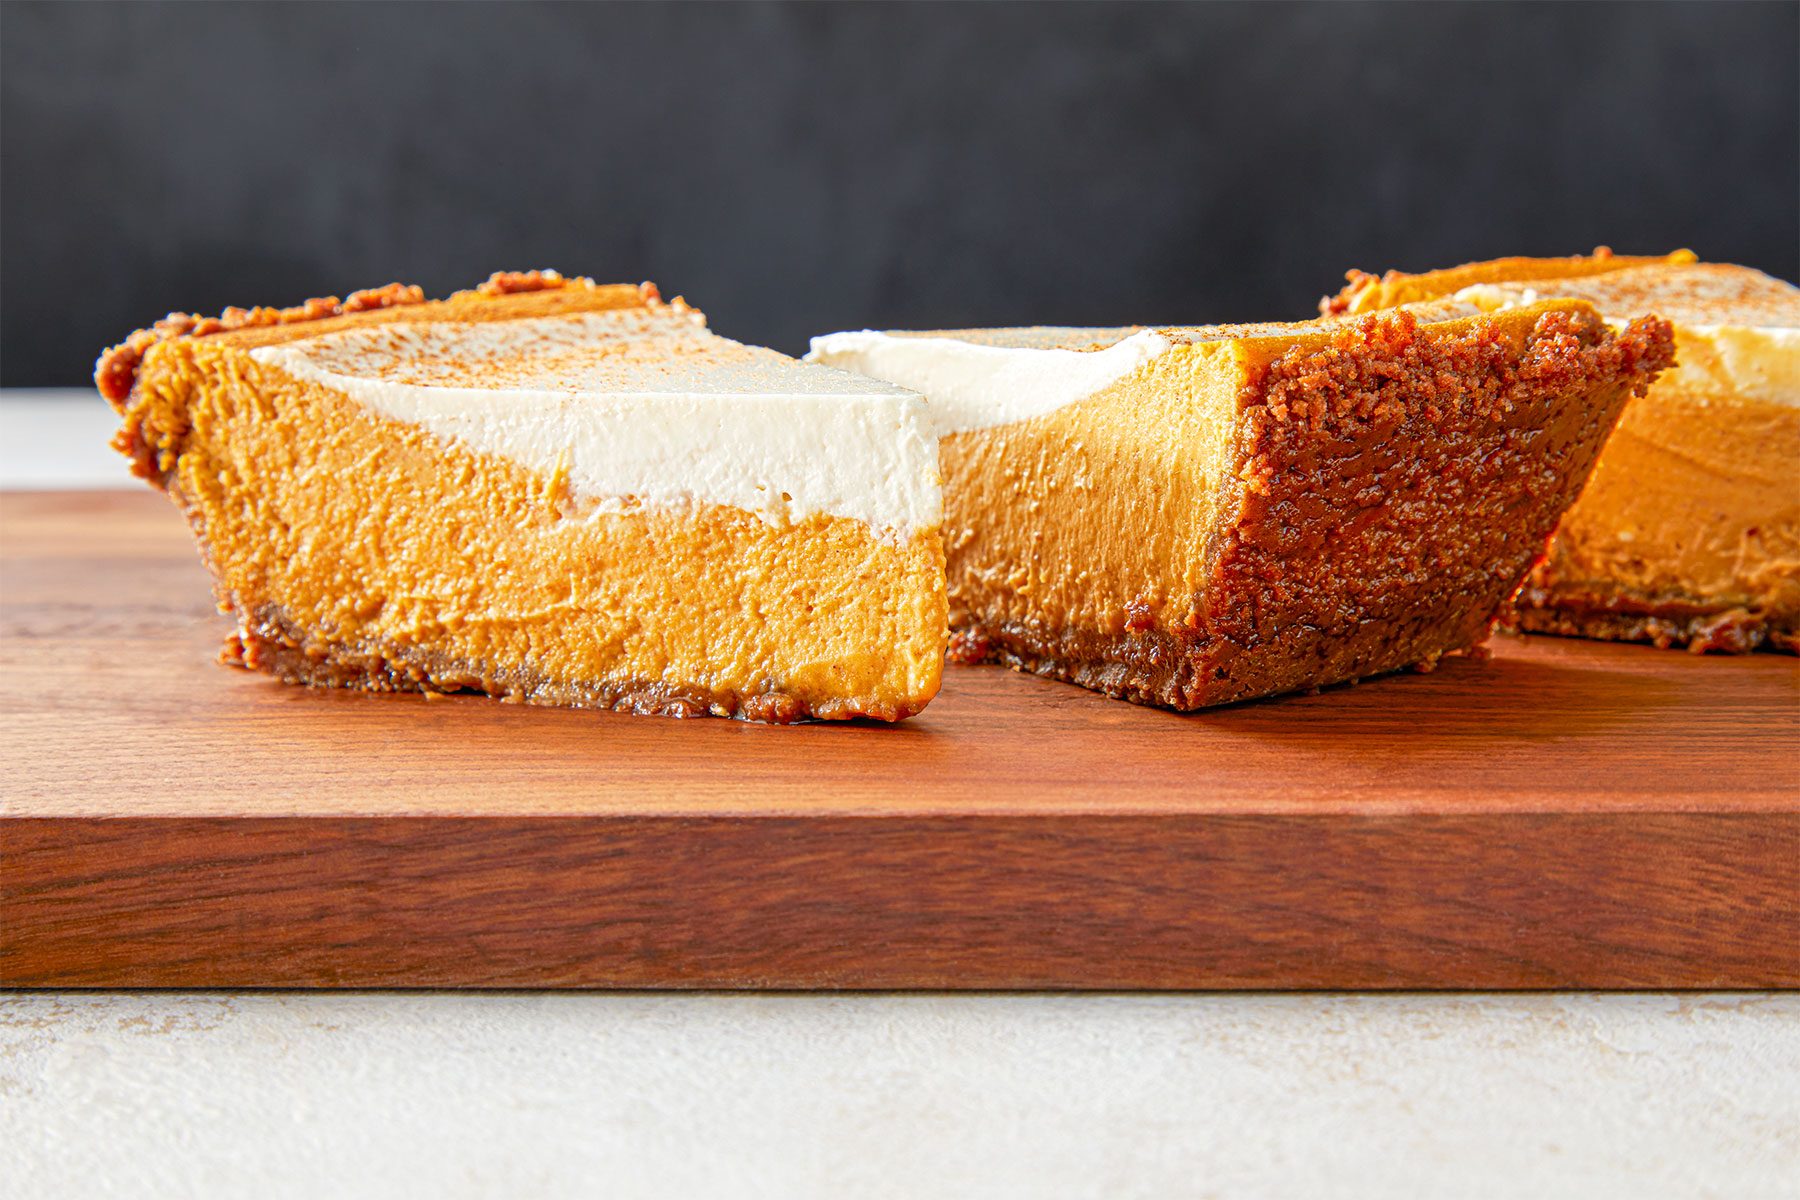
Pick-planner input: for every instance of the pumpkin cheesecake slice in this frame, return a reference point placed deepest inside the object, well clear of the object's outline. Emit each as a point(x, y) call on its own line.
point(551, 491)
point(1192, 516)
point(1689, 532)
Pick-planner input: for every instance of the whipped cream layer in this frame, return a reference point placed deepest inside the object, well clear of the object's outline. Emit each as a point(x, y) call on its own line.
point(645, 407)
point(976, 379)
point(1737, 330)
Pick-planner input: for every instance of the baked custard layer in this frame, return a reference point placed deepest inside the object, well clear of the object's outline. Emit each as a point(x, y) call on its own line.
point(1689, 532)
point(1261, 509)
point(355, 549)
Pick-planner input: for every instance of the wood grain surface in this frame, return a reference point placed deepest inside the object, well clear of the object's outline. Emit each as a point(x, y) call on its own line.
point(1563, 814)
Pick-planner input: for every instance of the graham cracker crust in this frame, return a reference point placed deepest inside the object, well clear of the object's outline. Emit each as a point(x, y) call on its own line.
point(1394, 490)
point(269, 643)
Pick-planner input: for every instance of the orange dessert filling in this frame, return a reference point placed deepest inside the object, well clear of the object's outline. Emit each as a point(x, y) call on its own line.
point(550, 491)
point(1193, 516)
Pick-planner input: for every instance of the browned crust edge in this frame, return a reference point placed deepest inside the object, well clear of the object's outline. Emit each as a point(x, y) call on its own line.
point(1665, 624)
point(1359, 282)
point(115, 372)
point(1547, 605)
point(268, 642)
point(1151, 667)
point(1261, 627)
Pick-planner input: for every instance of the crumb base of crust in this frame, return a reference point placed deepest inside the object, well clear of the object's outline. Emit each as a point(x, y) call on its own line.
point(270, 645)
point(1153, 668)
point(1698, 628)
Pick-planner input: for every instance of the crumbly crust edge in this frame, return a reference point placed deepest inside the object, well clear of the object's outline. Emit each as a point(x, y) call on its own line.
point(115, 372)
point(1180, 669)
point(1357, 283)
point(267, 642)
point(1665, 624)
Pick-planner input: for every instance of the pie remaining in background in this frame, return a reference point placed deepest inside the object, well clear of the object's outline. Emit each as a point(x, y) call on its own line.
point(551, 491)
point(1689, 532)
point(1187, 517)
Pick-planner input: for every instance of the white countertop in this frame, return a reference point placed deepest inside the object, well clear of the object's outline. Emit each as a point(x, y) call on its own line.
point(58, 439)
point(633, 1094)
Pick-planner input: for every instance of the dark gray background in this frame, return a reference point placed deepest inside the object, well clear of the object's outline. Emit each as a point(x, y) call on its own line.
point(800, 168)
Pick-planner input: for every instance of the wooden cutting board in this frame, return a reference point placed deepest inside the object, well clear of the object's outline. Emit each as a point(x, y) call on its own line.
point(1563, 814)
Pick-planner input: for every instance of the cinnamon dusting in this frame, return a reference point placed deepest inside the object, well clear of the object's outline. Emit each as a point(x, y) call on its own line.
point(116, 370)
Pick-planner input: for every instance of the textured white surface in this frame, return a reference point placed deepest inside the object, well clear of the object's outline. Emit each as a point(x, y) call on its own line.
point(1758, 360)
point(628, 1095)
point(646, 409)
point(971, 385)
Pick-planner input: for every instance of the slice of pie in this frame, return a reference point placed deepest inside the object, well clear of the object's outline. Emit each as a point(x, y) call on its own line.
point(1187, 517)
point(1689, 532)
point(551, 491)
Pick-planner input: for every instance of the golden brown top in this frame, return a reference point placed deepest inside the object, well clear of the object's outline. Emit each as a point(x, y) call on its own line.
point(505, 294)
point(1366, 293)
point(1696, 294)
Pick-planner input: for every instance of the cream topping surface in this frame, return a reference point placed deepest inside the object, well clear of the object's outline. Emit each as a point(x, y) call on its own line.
point(645, 407)
point(1737, 331)
point(977, 379)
